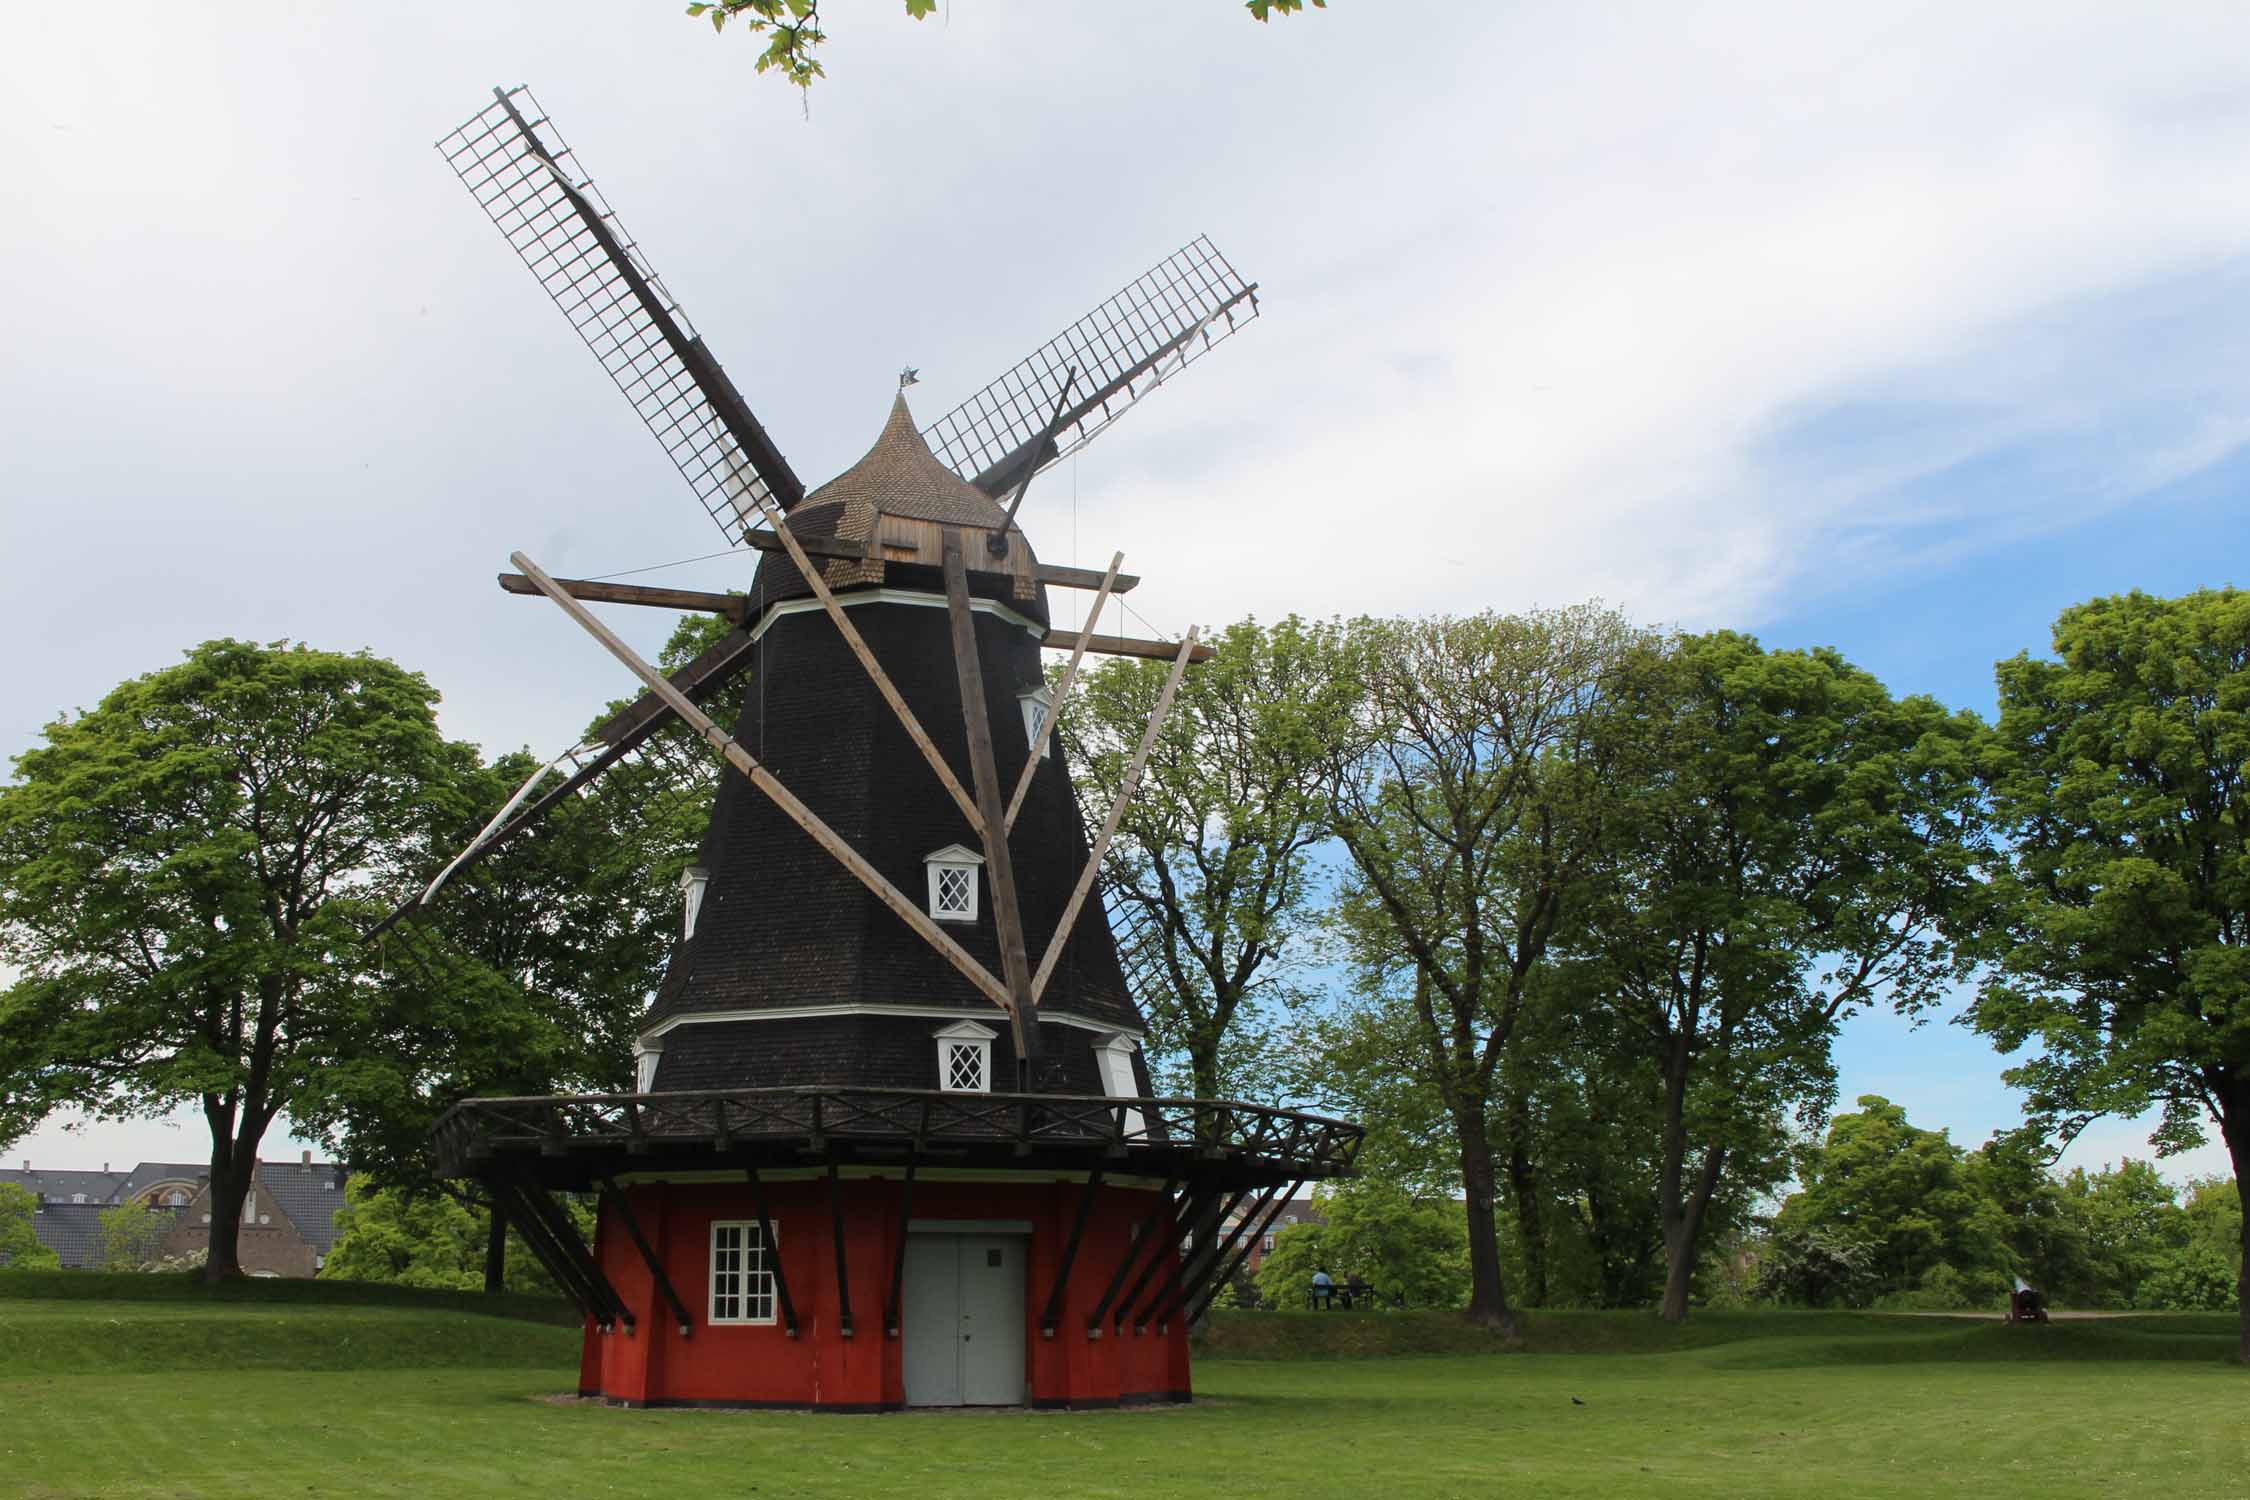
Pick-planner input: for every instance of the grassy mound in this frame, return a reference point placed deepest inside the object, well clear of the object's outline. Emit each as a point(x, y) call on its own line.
point(1769, 1339)
point(70, 1323)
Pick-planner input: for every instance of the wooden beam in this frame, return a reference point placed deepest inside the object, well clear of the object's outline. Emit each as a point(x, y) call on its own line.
point(616, 1199)
point(1123, 645)
point(879, 677)
point(711, 669)
point(1125, 792)
point(1048, 720)
point(787, 1308)
point(1052, 1314)
point(735, 607)
point(1083, 578)
point(768, 540)
point(764, 780)
point(999, 867)
point(1133, 1249)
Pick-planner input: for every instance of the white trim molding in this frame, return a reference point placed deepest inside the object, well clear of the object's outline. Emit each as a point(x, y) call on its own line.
point(858, 597)
point(860, 1008)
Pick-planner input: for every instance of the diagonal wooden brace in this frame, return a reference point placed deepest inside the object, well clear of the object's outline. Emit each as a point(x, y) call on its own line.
point(1048, 720)
point(765, 781)
point(875, 672)
point(1125, 792)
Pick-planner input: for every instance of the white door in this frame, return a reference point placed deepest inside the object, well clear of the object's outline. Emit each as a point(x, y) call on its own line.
point(963, 1320)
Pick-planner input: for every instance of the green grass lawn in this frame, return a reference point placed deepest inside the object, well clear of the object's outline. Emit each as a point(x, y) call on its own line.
point(183, 1397)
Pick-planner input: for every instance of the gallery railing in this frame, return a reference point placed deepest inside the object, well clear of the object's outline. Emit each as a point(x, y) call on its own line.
point(1310, 1146)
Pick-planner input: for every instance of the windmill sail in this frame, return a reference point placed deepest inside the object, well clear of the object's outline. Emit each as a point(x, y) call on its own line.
point(1122, 350)
point(515, 163)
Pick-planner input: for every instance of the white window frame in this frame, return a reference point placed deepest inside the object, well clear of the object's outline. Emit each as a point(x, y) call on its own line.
point(1114, 1059)
point(646, 1057)
point(954, 857)
point(1035, 704)
point(694, 880)
point(746, 1295)
point(964, 1034)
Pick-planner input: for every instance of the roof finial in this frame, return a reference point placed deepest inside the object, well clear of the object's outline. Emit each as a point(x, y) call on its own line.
point(908, 376)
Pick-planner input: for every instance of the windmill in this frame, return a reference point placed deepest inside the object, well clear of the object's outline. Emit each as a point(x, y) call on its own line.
point(818, 1015)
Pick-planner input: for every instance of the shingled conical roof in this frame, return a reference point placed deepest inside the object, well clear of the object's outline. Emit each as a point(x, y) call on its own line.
point(898, 481)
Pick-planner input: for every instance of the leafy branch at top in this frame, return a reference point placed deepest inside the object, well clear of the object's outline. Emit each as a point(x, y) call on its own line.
point(793, 32)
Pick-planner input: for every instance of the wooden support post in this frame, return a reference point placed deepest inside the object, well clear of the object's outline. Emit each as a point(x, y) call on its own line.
point(765, 781)
point(1223, 1252)
point(1053, 715)
point(547, 1253)
point(1125, 792)
point(1123, 645)
point(1226, 1277)
point(843, 1269)
point(850, 632)
point(773, 1251)
point(1053, 1313)
point(1141, 1240)
point(898, 1256)
point(546, 1218)
point(1198, 1263)
point(1190, 1209)
point(999, 868)
point(625, 1215)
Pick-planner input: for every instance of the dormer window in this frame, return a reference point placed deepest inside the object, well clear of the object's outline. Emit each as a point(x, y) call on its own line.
point(1114, 1057)
point(953, 883)
point(692, 882)
point(964, 1058)
point(1035, 704)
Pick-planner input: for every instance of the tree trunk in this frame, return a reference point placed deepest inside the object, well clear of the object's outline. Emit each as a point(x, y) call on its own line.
point(2234, 1126)
point(1523, 1189)
point(1683, 1236)
point(1488, 1297)
point(230, 1180)
point(496, 1253)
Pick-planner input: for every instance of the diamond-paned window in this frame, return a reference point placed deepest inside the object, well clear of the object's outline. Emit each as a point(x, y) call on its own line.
point(964, 1067)
point(964, 1058)
point(956, 891)
point(953, 883)
point(741, 1274)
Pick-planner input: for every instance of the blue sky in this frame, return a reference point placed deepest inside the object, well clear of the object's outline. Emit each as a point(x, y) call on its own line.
point(1892, 328)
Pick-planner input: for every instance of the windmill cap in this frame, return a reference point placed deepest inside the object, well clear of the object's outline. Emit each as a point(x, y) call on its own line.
point(897, 479)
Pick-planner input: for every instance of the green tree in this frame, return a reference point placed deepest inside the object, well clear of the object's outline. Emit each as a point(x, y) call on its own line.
point(1816, 1268)
point(528, 973)
point(429, 1239)
point(1213, 870)
point(181, 871)
point(2119, 921)
point(20, 1249)
point(1400, 1245)
point(132, 1234)
point(1785, 839)
point(1470, 797)
point(2198, 1274)
point(1901, 1193)
point(2129, 1218)
point(793, 33)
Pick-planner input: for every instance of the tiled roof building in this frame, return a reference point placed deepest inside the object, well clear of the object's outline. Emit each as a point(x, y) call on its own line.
point(288, 1219)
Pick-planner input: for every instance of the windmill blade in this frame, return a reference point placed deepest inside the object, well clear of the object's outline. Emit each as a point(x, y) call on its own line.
point(528, 181)
point(1122, 350)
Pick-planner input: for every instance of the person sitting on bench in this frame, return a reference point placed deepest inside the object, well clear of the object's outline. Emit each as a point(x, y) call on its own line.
point(1323, 1289)
point(1357, 1293)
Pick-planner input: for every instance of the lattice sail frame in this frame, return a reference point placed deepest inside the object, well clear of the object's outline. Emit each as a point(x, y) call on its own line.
point(528, 180)
point(1128, 346)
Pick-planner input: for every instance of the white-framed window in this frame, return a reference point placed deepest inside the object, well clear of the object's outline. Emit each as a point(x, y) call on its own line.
point(741, 1272)
point(1115, 1059)
point(953, 883)
point(693, 881)
point(645, 1059)
point(1035, 704)
point(1268, 1245)
point(964, 1058)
